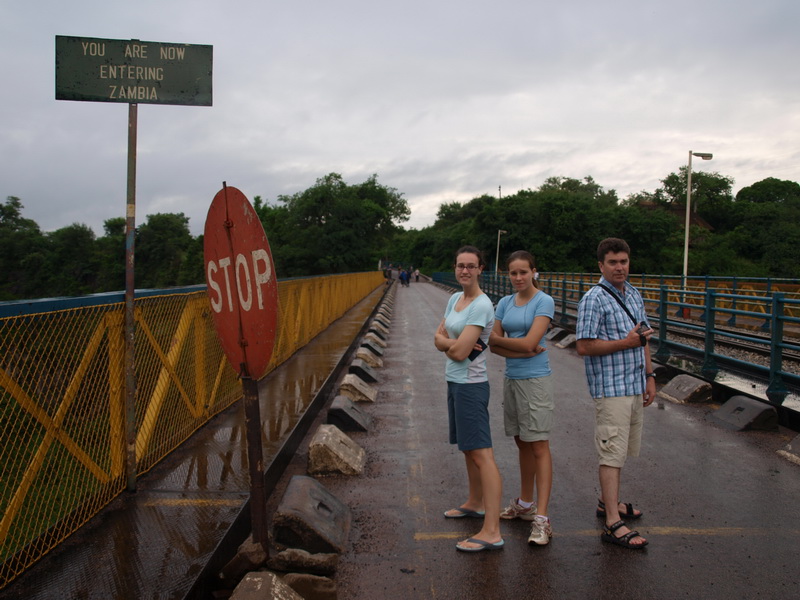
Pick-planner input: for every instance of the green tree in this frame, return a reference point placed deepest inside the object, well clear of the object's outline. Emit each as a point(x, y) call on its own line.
point(162, 243)
point(72, 261)
point(23, 254)
point(110, 251)
point(768, 213)
point(712, 196)
point(772, 190)
point(333, 227)
point(191, 271)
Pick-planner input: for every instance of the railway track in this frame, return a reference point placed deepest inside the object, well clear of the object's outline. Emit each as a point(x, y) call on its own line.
point(737, 342)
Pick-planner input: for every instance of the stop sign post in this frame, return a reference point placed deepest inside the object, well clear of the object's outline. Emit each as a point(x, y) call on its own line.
point(243, 293)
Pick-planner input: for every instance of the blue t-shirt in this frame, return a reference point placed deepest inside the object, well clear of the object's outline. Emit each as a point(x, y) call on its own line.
point(517, 322)
point(479, 312)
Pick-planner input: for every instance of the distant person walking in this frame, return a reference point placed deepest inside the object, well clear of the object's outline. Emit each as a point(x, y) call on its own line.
point(416, 275)
point(463, 335)
point(521, 320)
point(612, 335)
point(404, 278)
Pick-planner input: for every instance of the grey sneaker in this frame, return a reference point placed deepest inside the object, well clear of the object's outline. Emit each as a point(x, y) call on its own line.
point(541, 531)
point(515, 511)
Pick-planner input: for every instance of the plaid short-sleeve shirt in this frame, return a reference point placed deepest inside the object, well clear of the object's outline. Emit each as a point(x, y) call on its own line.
point(601, 317)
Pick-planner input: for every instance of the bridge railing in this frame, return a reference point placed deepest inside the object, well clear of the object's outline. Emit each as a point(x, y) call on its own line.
point(62, 389)
point(762, 309)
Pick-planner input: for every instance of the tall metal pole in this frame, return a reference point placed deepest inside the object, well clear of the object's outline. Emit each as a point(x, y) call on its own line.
point(497, 254)
point(130, 371)
point(686, 227)
point(255, 461)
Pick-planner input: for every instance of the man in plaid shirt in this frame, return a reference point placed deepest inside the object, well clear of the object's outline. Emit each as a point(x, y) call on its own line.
point(612, 335)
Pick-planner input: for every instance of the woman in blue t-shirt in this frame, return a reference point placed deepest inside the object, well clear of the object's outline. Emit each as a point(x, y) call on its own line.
point(521, 320)
point(463, 336)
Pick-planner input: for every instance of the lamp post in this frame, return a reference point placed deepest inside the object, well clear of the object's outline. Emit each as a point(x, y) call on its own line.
point(497, 263)
point(704, 156)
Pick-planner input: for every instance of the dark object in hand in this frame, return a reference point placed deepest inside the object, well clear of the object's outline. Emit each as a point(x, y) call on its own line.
point(475, 352)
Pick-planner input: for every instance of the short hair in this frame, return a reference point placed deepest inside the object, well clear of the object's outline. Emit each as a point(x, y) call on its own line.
point(471, 250)
point(613, 245)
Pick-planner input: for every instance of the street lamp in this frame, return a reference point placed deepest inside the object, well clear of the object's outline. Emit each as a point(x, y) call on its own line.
point(497, 264)
point(704, 156)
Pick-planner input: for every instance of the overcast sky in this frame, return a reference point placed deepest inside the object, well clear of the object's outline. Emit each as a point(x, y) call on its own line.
point(443, 100)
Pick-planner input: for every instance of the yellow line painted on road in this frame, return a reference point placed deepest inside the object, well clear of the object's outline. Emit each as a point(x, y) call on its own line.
point(720, 531)
point(195, 502)
point(425, 536)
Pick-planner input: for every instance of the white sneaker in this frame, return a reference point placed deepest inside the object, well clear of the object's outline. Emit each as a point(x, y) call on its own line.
point(541, 531)
point(515, 511)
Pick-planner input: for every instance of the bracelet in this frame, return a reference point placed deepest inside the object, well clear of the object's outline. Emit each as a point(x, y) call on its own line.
point(653, 375)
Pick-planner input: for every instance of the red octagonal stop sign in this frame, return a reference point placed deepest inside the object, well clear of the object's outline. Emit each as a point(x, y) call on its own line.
point(241, 282)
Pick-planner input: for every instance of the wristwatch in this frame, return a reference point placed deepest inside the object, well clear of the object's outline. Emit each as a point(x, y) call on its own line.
point(643, 340)
point(653, 375)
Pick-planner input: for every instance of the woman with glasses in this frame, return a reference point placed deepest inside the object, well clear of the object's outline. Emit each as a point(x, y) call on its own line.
point(520, 323)
point(463, 335)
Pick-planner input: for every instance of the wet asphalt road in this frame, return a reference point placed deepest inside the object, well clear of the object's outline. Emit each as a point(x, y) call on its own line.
point(721, 507)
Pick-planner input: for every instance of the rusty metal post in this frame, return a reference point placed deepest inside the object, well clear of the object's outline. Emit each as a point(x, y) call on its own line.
point(255, 459)
point(130, 366)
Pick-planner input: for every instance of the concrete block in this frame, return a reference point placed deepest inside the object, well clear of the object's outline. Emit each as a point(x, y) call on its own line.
point(299, 561)
point(374, 331)
point(741, 413)
point(567, 341)
point(347, 416)
point(362, 367)
point(263, 584)
point(379, 328)
point(370, 359)
point(331, 452)
point(554, 333)
point(791, 451)
point(311, 586)
point(685, 389)
point(374, 338)
point(309, 517)
point(249, 557)
point(376, 349)
point(382, 321)
point(357, 390)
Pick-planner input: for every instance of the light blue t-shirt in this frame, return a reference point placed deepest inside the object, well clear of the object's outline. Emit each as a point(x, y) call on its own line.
point(517, 322)
point(479, 312)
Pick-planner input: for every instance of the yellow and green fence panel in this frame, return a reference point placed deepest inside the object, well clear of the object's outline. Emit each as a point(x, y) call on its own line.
point(62, 395)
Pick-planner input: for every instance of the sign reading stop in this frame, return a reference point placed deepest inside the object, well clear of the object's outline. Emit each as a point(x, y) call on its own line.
point(241, 282)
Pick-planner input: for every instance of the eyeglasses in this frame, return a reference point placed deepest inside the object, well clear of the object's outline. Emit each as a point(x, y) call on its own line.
point(466, 267)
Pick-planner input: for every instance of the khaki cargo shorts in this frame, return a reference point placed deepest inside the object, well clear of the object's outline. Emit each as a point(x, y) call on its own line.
point(618, 428)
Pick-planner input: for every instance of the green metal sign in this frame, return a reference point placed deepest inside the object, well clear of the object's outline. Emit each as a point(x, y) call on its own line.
point(132, 71)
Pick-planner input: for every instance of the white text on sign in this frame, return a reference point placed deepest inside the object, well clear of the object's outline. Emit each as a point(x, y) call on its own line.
point(133, 72)
point(244, 276)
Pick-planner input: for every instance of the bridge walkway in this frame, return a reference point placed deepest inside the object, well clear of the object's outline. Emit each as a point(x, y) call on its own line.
point(720, 506)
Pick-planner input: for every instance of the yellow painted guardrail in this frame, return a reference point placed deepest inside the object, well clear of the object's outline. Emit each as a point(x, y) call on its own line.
point(62, 397)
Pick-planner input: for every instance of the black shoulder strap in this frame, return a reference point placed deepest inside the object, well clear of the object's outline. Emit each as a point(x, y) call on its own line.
point(620, 302)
